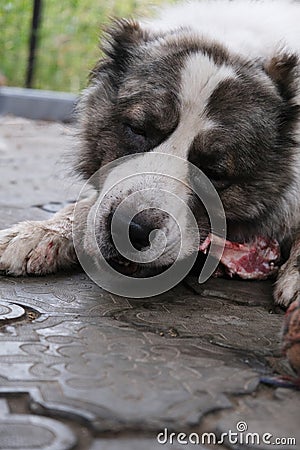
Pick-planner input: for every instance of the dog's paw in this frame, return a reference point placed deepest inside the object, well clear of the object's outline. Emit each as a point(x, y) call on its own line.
point(33, 248)
point(287, 288)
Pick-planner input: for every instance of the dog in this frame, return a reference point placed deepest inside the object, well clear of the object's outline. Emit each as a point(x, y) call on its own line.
point(215, 83)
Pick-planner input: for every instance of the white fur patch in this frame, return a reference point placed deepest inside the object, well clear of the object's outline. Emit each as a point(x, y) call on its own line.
point(199, 78)
point(249, 28)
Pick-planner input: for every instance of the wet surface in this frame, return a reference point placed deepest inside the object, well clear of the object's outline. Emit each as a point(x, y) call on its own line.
point(81, 368)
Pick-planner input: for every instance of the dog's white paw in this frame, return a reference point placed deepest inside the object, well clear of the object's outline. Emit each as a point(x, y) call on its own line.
point(34, 248)
point(287, 288)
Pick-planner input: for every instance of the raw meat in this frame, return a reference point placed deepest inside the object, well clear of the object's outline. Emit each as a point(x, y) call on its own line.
point(251, 261)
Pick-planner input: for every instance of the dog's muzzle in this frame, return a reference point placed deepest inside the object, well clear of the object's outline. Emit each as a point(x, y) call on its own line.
point(142, 231)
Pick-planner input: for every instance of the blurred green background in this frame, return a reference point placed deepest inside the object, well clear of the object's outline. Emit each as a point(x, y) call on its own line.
point(68, 43)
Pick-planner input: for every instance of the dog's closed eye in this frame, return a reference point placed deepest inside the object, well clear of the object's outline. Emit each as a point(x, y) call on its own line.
point(135, 131)
point(142, 137)
point(220, 181)
point(221, 185)
point(136, 136)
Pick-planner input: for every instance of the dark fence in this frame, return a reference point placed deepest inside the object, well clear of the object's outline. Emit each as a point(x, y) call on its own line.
point(33, 41)
point(32, 103)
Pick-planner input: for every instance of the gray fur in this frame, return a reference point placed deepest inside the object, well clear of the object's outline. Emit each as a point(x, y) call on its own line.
point(244, 136)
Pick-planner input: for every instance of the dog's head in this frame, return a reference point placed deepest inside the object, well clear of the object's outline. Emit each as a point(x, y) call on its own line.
point(178, 94)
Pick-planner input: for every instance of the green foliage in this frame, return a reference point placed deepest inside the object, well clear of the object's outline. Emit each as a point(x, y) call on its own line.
point(69, 35)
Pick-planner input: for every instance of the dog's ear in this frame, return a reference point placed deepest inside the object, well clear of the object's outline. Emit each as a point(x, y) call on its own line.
point(122, 38)
point(283, 69)
point(119, 43)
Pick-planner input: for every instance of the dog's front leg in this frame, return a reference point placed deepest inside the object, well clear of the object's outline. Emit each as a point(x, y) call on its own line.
point(287, 287)
point(41, 247)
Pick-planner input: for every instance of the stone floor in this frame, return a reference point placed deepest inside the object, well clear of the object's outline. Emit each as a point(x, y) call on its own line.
point(83, 369)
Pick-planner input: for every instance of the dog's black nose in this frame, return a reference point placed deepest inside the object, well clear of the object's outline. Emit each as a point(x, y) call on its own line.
point(138, 230)
point(139, 235)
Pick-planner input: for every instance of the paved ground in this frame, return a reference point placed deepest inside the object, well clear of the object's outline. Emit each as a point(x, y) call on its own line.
point(83, 369)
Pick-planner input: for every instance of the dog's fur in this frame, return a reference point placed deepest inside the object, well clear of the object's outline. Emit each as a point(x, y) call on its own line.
point(216, 83)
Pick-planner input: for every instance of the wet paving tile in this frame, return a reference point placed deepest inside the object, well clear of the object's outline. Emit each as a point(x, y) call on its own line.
point(94, 366)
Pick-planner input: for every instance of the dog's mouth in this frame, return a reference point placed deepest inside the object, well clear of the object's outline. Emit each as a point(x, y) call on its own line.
point(256, 260)
point(123, 265)
point(133, 269)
